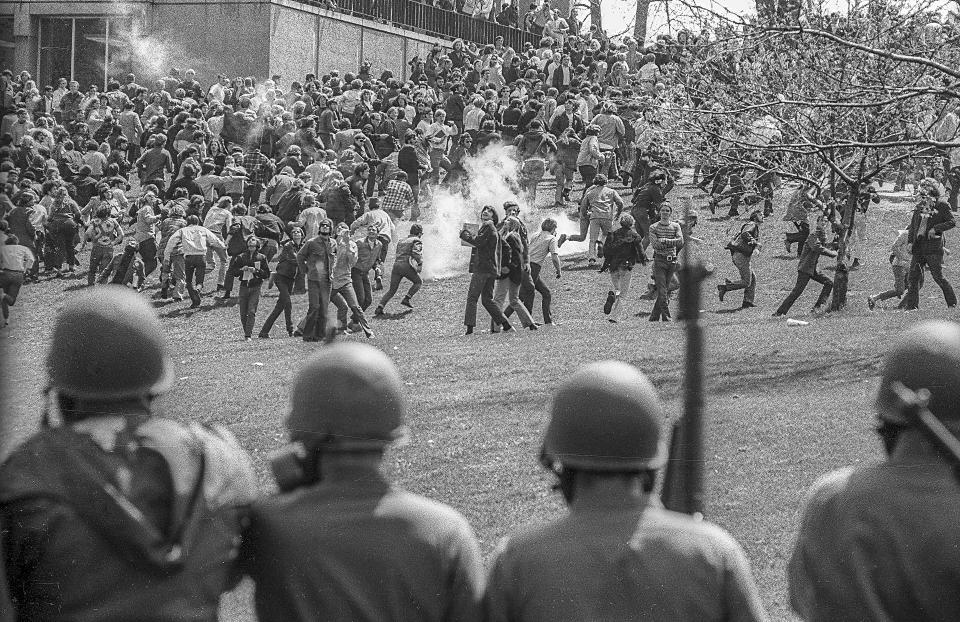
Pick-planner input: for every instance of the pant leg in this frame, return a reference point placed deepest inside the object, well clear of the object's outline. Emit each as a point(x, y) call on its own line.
point(663, 277)
point(899, 284)
point(935, 263)
point(396, 275)
point(546, 295)
point(356, 280)
point(100, 257)
point(513, 289)
point(244, 299)
point(527, 289)
point(284, 285)
point(194, 267)
point(223, 260)
point(148, 251)
point(474, 292)
point(621, 285)
point(178, 273)
point(486, 298)
point(501, 292)
point(338, 299)
point(825, 290)
point(802, 279)
point(594, 233)
point(912, 300)
point(311, 326)
point(748, 280)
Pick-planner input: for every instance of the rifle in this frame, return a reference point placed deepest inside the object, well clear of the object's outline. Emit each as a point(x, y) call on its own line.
point(683, 479)
point(913, 404)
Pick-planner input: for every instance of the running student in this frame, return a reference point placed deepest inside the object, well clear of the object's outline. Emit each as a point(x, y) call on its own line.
point(544, 245)
point(406, 265)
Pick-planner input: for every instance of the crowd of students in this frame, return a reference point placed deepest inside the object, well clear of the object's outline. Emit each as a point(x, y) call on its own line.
point(304, 186)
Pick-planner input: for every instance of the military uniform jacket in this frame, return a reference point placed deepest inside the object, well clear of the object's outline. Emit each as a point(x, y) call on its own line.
point(361, 552)
point(880, 543)
point(79, 546)
point(643, 564)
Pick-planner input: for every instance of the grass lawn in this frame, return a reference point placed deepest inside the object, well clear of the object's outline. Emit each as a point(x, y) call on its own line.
point(783, 406)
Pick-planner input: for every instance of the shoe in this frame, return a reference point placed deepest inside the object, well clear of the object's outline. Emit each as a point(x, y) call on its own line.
point(224, 297)
point(406, 303)
point(469, 330)
point(263, 336)
point(561, 239)
point(164, 293)
point(532, 327)
point(817, 309)
point(552, 324)
point(508, 328)
point(378, 311)
point(290, 332)
point(177, 298)
point(855, 265)
point(665, 318)
point(247, 339)
point(592, 261)
point(219, 288)
point(747, 305)
point(195, 305)
point(611, 320)
point(787, 245)
point(777, 314)
point(871, 303)
point(721, 291)
point(608, 305)
point(378, 284)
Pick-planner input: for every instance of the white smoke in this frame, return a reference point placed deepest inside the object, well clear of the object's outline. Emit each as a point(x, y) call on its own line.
point(492, 179)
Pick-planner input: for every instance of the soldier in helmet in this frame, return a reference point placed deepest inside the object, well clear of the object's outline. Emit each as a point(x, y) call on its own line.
point(880, 542)
point(618, 554)
point(340, 542)
point(114, 513)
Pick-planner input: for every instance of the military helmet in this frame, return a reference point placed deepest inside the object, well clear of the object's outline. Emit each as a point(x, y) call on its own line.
point(606, 417)
point(107, 344)
point(927, 356)
point(349, 396)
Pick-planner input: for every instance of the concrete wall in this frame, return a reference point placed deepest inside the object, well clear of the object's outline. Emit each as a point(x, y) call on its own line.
point(212, 37)
point(306, 39)
point(236, 38)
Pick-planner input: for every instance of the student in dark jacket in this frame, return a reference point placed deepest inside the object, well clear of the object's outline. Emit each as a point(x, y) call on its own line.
point(270, 231)
point(807, 269)
point(621, 252)
point(340, 203)
point(484, 268)
point(647, 201)
point(931, 219)
point(284, 277)
point(250, 268)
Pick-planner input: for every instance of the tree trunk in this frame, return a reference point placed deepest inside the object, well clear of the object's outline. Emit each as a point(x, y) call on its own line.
point(640, 27)
point(841, 279)
point(596, 19)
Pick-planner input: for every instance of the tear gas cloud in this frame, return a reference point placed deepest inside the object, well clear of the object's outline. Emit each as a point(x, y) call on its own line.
point(492, 179)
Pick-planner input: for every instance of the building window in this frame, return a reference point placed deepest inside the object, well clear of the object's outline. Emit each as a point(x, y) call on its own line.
point(88, 50)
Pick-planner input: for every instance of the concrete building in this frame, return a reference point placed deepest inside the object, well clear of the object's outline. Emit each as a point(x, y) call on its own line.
point(89, 41)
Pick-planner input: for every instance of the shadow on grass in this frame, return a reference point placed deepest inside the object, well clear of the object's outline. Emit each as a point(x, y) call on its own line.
point(394, 316)
point(785, 257)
